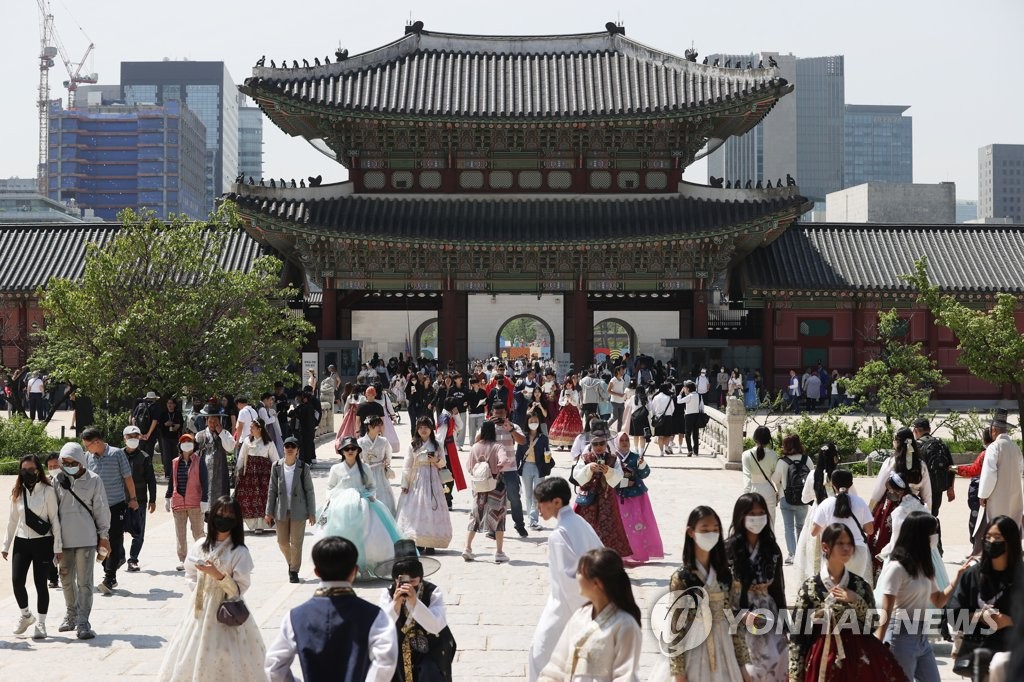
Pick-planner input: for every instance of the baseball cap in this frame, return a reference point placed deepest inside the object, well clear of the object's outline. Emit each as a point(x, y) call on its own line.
point(131, 431)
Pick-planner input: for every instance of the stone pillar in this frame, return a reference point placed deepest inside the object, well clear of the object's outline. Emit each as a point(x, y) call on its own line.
point(700, 314)
point(453, 330)
point(735, 420)
point(329, 312)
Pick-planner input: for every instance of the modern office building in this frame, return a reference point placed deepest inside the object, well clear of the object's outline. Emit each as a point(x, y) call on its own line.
point(207, 89)
point(21, 203)
point(107, 158)
point(250, 138)
point(893, 203)
point(802, 137)
point(879, 144)
point(1001, 182)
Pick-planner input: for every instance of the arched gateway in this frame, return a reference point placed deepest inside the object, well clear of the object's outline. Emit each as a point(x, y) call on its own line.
point(559, 172)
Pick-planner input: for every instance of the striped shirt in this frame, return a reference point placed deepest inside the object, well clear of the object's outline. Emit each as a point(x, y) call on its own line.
point(112, 467)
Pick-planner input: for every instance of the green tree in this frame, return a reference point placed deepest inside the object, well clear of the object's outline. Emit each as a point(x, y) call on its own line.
point(990, 344)
point(155, 310)
point(901, 379)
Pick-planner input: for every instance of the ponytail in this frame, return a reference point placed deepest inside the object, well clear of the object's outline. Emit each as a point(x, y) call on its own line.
point(843, 481)
point(763, 437)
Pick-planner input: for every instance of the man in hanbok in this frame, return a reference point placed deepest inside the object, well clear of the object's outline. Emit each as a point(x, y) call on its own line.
point(214, 443)
point(999, 489)
point(571, 538)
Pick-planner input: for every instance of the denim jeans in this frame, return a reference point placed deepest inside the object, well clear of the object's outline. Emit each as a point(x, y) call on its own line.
point(138, 538)
point(793, 516)
point(76, 578)
point(617, 410)
point(473, 422)
point(531, 477)
point(512, 489)
point(915, 655)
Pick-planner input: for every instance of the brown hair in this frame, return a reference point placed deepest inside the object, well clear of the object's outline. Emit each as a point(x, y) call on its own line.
point(40, 471)
point(791, 445)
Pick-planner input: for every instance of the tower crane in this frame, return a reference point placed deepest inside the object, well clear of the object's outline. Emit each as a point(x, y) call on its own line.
point(51, 46)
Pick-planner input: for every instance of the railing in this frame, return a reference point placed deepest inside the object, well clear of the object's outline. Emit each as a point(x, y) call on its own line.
point(723, 435)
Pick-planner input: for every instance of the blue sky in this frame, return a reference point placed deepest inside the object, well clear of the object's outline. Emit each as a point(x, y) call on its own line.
point(954, 63)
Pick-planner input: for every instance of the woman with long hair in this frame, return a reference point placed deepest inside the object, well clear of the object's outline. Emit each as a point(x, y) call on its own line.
point(349, 422)
point(34, 530)
point(851, 511)
point(835, 595)
point(700, 647)
point(756, 563)
point(635, 504)
point(255, 458)
point(759, 464)
point(807, 560)
point(376, 454)
point(794, 461)
point(603, 638)
point(569, 423)
point(488, 514)
point(985, 590)
point(661, 408)
point(906, 593)
point(352, 510)
point(639, 418)
point(422, 510)
point(217, 568)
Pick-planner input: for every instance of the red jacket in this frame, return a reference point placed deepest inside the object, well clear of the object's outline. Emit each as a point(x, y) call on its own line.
point(971, 470)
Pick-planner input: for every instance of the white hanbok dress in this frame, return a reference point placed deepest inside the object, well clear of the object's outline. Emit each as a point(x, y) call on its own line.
point(202, 648)
point(422, 509)
point(376, 454)
point(605, 648)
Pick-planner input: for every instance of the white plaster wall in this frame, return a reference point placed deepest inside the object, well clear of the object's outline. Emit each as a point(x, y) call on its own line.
point(650, 328)
point(384, 331)
point(487, 314)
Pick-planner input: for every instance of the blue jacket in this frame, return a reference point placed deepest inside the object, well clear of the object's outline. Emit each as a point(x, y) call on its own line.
point(631, 475)
point(540, 446)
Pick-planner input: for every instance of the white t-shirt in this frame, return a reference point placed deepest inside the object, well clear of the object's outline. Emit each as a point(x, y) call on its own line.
point(246, 416)
point(618, 386)
point(824, 516)
point(913, 594)
point(289, 476)
point(35, 385)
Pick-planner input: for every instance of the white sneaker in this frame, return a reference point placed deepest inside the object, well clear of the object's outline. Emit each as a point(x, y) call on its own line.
point(40, 632)
point(789, 560)
point(23, 623)
point(468, 555)
point(500, 558)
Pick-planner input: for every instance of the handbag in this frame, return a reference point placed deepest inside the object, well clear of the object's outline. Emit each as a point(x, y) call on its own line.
point(33, 520)
point(445, 474)
point(232, 612)
point(658, 420)
point(703, 418)
point(132, 522)
point(964, 663)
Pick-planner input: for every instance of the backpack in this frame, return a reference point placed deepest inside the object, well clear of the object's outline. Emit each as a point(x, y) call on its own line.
point(796, 475)
point(142, 414)
point(480, 478)
point(938, 459)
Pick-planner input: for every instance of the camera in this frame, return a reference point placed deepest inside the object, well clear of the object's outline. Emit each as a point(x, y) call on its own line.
point(404, 580)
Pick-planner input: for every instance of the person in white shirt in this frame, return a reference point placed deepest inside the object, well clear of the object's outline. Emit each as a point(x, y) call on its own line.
point(246, 416)
point(34, 530)
point(36, 387)
point(602, 640)
point(661, 408)
point(617, 396)
point(571, 538)
point(316, 631)
point(851, 511)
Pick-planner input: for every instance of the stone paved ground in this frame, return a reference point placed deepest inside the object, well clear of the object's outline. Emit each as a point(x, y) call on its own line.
point(492, 609)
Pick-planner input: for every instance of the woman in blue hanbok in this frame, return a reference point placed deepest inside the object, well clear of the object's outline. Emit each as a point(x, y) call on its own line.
point(352, 510)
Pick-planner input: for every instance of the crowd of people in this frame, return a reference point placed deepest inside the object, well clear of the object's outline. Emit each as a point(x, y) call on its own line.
point(233, 467)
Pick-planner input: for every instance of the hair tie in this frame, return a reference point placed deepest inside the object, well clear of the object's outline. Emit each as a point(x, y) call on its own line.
point(842, 490)
point(898, 480)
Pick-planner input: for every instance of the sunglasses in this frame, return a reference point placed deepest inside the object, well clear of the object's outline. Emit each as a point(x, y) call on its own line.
point(291, 447)
point(350, 449)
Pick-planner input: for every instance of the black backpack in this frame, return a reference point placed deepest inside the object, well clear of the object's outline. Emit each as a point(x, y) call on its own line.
point(938, 460)
point(796, 476)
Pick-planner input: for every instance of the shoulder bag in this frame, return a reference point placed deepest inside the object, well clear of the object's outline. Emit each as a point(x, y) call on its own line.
point(33, 520)
point(658, 420)
point(232, 612)
point(703, 418)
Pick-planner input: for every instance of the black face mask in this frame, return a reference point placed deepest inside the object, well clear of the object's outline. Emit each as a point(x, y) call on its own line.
point(224, 524)
point(995, 548)
point(29, 478)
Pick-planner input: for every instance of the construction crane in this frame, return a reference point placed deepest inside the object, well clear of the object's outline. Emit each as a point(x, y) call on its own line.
point(50, 46)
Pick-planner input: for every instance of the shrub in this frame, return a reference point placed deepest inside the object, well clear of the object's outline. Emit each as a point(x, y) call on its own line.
point(111, 425)
point(880, 440)
point(20, 436)
point(815, 432)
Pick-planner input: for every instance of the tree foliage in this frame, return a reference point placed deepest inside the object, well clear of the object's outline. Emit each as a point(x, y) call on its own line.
point(990, 344)
point(901, 380)
point(154, 309)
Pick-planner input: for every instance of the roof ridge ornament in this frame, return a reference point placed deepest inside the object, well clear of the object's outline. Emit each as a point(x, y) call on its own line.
point(613, 28)
point(414, 27)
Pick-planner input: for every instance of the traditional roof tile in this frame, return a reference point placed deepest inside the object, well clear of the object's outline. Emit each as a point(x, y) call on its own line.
point(872, 257)
point(35, 253)
point(591, 74)
point(512, 219)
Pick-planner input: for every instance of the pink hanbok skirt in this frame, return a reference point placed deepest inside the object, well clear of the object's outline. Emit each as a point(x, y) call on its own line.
point(641, 529)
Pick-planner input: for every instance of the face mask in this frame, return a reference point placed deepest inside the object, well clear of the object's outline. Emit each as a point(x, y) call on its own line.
point(72, 471)
point(187, 447)
point(933, 540)
point(706, 541)
point(534, 426)
point(224, 524)
point(755, 524)
point(29, 477)
point(132, 443)
point(995, 548)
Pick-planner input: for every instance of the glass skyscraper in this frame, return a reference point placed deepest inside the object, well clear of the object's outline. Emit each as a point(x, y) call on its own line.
point(879, 143)
point(207, 89)
point(250, 138)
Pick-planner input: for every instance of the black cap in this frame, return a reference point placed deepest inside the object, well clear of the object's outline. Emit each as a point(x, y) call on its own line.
point(498, 405)
point(291, 440)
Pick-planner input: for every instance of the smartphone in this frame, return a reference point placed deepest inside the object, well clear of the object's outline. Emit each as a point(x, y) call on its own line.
point(201, 562)
point(404, 580)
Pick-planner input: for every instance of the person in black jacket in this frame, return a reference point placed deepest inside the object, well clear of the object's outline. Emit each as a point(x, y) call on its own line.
point(144, 478)
point(307, 416)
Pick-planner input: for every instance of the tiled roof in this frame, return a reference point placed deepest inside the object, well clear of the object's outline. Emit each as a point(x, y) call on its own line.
point(495, 219)
point(34, 253)
point(968, 258)
point(427, 73)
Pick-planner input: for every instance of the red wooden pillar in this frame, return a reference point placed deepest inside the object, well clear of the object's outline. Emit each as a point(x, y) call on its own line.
point(933, 335)
point(700, 314)
point(768, 347)
point(859, 332)
point(578, 321)
point(329, 312)
point(453, 329)
point(23, 333)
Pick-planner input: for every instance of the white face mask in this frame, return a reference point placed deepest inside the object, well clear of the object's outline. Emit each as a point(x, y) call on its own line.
point(706, 541)
point(187, 447)
point(132, 443)
point(755, 524)
point(534, 426)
